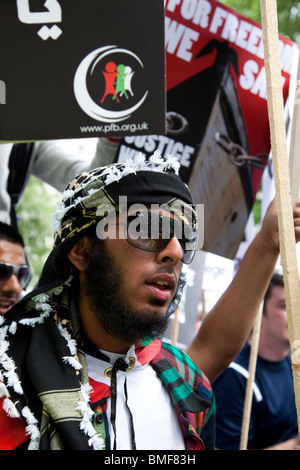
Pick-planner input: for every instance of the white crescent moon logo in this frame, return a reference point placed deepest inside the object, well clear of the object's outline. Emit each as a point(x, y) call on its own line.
point(82, 95)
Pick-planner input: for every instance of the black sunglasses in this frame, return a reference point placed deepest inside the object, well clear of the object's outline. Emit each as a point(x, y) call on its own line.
point(21, 271)
point(152, 232)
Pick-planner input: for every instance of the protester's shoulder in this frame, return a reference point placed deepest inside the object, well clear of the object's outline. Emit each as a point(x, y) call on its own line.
point(185, 366)
point(173, 353)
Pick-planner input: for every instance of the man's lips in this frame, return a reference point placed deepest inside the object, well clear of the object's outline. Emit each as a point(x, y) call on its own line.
point(6, 304)
point(162, 285)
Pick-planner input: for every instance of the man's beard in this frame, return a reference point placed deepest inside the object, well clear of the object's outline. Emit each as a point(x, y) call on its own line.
point(102, 285)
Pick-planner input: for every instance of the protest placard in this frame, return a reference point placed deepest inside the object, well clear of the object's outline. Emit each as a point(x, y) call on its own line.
point(217, 119)
point(81, 69)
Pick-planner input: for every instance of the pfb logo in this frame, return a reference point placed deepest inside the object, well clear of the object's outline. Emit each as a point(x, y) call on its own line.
point(109, 84)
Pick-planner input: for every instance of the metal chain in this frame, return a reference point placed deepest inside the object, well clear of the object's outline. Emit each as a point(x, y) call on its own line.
point(237, 154)
point(176, 123)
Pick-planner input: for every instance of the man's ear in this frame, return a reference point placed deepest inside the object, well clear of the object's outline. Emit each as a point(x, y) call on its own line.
point(78, 254)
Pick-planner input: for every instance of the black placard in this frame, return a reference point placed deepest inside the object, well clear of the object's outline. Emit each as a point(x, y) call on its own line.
point(81, 68)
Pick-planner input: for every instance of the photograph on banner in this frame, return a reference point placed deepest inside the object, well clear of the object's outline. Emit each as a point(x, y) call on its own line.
point(217, 121)
point(74, 70)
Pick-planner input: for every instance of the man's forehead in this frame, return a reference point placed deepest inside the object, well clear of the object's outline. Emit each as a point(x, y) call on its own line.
point(278, 291)
point(11, 252)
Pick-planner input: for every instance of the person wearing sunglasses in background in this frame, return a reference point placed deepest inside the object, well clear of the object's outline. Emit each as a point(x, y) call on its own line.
point(14, 271)
point(95, 319)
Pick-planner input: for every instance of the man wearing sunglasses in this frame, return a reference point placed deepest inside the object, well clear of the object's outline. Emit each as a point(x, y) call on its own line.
point(14, 271)
point(82, 362)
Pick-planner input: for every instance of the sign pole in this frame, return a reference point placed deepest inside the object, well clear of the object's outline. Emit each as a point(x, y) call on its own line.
point(282, 184)
point(175, 327)
point(250, 380)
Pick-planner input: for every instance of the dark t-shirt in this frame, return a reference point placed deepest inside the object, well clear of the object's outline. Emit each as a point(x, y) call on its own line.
point(273, 415)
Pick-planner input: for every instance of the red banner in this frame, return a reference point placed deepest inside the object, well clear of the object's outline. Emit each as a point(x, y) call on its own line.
point(217, 122)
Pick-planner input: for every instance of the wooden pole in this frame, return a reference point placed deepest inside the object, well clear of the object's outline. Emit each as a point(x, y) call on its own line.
point(175, 327)
point(282, 184)
point(250, 380)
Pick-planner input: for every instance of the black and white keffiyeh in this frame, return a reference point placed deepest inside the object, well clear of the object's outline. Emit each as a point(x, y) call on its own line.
point(42, 367)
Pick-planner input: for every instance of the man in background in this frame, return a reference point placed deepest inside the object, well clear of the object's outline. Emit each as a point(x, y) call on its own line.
point(14, 271)
point(273, 420)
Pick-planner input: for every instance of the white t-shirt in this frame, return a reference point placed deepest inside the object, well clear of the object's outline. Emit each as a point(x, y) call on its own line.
point(154, 419)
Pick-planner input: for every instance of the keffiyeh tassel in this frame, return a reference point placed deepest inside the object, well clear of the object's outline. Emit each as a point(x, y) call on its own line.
point(10, 408)
point(86, 425)
point(31, 429)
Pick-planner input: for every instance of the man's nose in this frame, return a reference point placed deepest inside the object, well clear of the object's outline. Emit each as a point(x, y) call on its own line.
point(171, 253)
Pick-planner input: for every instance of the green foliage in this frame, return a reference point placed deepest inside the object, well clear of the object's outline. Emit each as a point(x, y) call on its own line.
point(288, 14)
point(257, 209)
point(35, 223)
